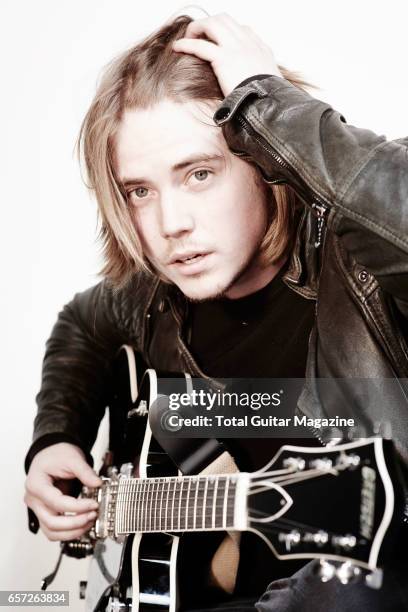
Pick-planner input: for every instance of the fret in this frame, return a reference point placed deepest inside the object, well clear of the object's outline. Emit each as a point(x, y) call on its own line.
point(156, 525)
point(117, 517)
point(187, 501)
point(172, 491)
point(208, 502)
point(118, 511)
point(214, 508)
point(135, 504)
point(195, 503)
point(140, 509)
point(204, 502)
point(147, 513)
point(142, 505)
point(153, 484)
point(130, 508)
point(225, 503)
point(219, 501)
point(161, 507)
point(131, 503)
point(146, 506)
point(139, 505)
point(191, 503)
point(231, 503)
point(124, 506)
point(180, 502)
point(167, 506)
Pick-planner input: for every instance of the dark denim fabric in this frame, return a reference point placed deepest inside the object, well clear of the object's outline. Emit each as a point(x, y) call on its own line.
point(304, 592)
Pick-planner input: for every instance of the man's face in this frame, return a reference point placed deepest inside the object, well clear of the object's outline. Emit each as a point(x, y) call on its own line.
point(199, 210)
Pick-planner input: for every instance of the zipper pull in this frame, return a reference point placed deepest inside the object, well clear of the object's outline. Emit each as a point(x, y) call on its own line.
point(320, 211)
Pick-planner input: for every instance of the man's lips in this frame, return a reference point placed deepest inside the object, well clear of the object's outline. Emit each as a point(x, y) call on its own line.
point(189, 264)
point(187, 257)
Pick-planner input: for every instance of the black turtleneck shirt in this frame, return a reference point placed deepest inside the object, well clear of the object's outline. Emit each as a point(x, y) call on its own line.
point(262, 335)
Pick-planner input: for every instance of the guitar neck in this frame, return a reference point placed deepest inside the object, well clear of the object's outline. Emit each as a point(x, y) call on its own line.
point(175, 504)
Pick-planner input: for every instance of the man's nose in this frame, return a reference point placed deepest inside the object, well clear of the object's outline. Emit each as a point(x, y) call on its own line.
point(176, 218)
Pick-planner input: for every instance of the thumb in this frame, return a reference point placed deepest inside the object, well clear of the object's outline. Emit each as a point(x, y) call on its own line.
point(85, 473)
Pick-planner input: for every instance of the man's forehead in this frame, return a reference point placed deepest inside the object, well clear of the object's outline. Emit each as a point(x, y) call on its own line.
point(168, 134)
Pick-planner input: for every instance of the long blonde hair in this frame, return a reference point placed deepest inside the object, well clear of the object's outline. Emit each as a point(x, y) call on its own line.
point(145, 74)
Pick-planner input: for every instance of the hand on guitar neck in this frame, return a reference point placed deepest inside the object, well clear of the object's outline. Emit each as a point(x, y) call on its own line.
point(61, 516)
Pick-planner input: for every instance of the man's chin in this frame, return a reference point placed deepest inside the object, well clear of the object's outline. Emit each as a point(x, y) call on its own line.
point(200, 290)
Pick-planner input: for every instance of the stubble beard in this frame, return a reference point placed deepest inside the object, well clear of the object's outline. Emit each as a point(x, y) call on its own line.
point(221, 291)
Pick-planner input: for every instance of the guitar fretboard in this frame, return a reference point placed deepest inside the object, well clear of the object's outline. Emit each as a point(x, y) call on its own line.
point(191, 503)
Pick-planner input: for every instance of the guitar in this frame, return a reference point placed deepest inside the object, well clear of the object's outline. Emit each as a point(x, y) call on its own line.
point(337, 504)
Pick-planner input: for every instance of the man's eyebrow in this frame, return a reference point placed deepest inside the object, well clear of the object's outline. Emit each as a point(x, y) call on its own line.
point(197, 159)
point(185, 163)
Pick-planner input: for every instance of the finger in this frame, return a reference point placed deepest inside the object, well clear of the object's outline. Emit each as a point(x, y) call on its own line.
point(198, 47)
point(43, 489)
point(213, 28)
point(85, 473)
point(231, 24)
point(55, 522)
point(63, 536)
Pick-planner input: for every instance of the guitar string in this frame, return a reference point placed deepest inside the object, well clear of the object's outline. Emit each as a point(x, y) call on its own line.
point(288, 523)
point(207, 512)
point(143, 500)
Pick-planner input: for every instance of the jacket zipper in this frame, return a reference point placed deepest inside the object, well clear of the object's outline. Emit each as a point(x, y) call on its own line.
point(318, 206)
point(321, 210)
point(262, 142)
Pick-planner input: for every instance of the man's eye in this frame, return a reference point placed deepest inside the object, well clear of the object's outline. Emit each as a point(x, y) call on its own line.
point(201, 175)
point(140, 192)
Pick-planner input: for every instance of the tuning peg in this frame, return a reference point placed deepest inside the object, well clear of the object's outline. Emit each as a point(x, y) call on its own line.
point(320, 538)
point(297, 464)
point(291, 539)
point(126, 470)
point(322, 463)
point(347, 572)
point(347, 541)
point(326, 570)
point(383, 429)
point(345, 461)
point(374, 579)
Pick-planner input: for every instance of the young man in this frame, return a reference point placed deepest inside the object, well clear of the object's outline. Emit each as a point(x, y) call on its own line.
point(275, 247)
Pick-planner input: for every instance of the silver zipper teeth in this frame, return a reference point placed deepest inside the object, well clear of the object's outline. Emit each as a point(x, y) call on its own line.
point(317, 204)
point(321, 211)
point(260, 141)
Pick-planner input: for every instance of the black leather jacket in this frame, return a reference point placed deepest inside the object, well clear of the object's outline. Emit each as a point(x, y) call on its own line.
point(355, 185)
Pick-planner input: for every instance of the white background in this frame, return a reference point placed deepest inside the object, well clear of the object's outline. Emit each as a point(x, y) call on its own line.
point(51, 55)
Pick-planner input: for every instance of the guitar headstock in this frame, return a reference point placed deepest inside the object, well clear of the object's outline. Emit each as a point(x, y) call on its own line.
point(339, 504)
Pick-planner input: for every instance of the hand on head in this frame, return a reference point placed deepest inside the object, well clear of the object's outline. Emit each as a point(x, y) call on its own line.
point(234, 51)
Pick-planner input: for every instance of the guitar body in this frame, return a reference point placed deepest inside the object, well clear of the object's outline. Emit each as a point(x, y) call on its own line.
point(151, 586)
point(337, 504)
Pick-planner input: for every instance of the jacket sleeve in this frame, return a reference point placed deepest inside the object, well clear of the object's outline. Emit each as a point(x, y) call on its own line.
point(76, 373)
point(355, 178)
